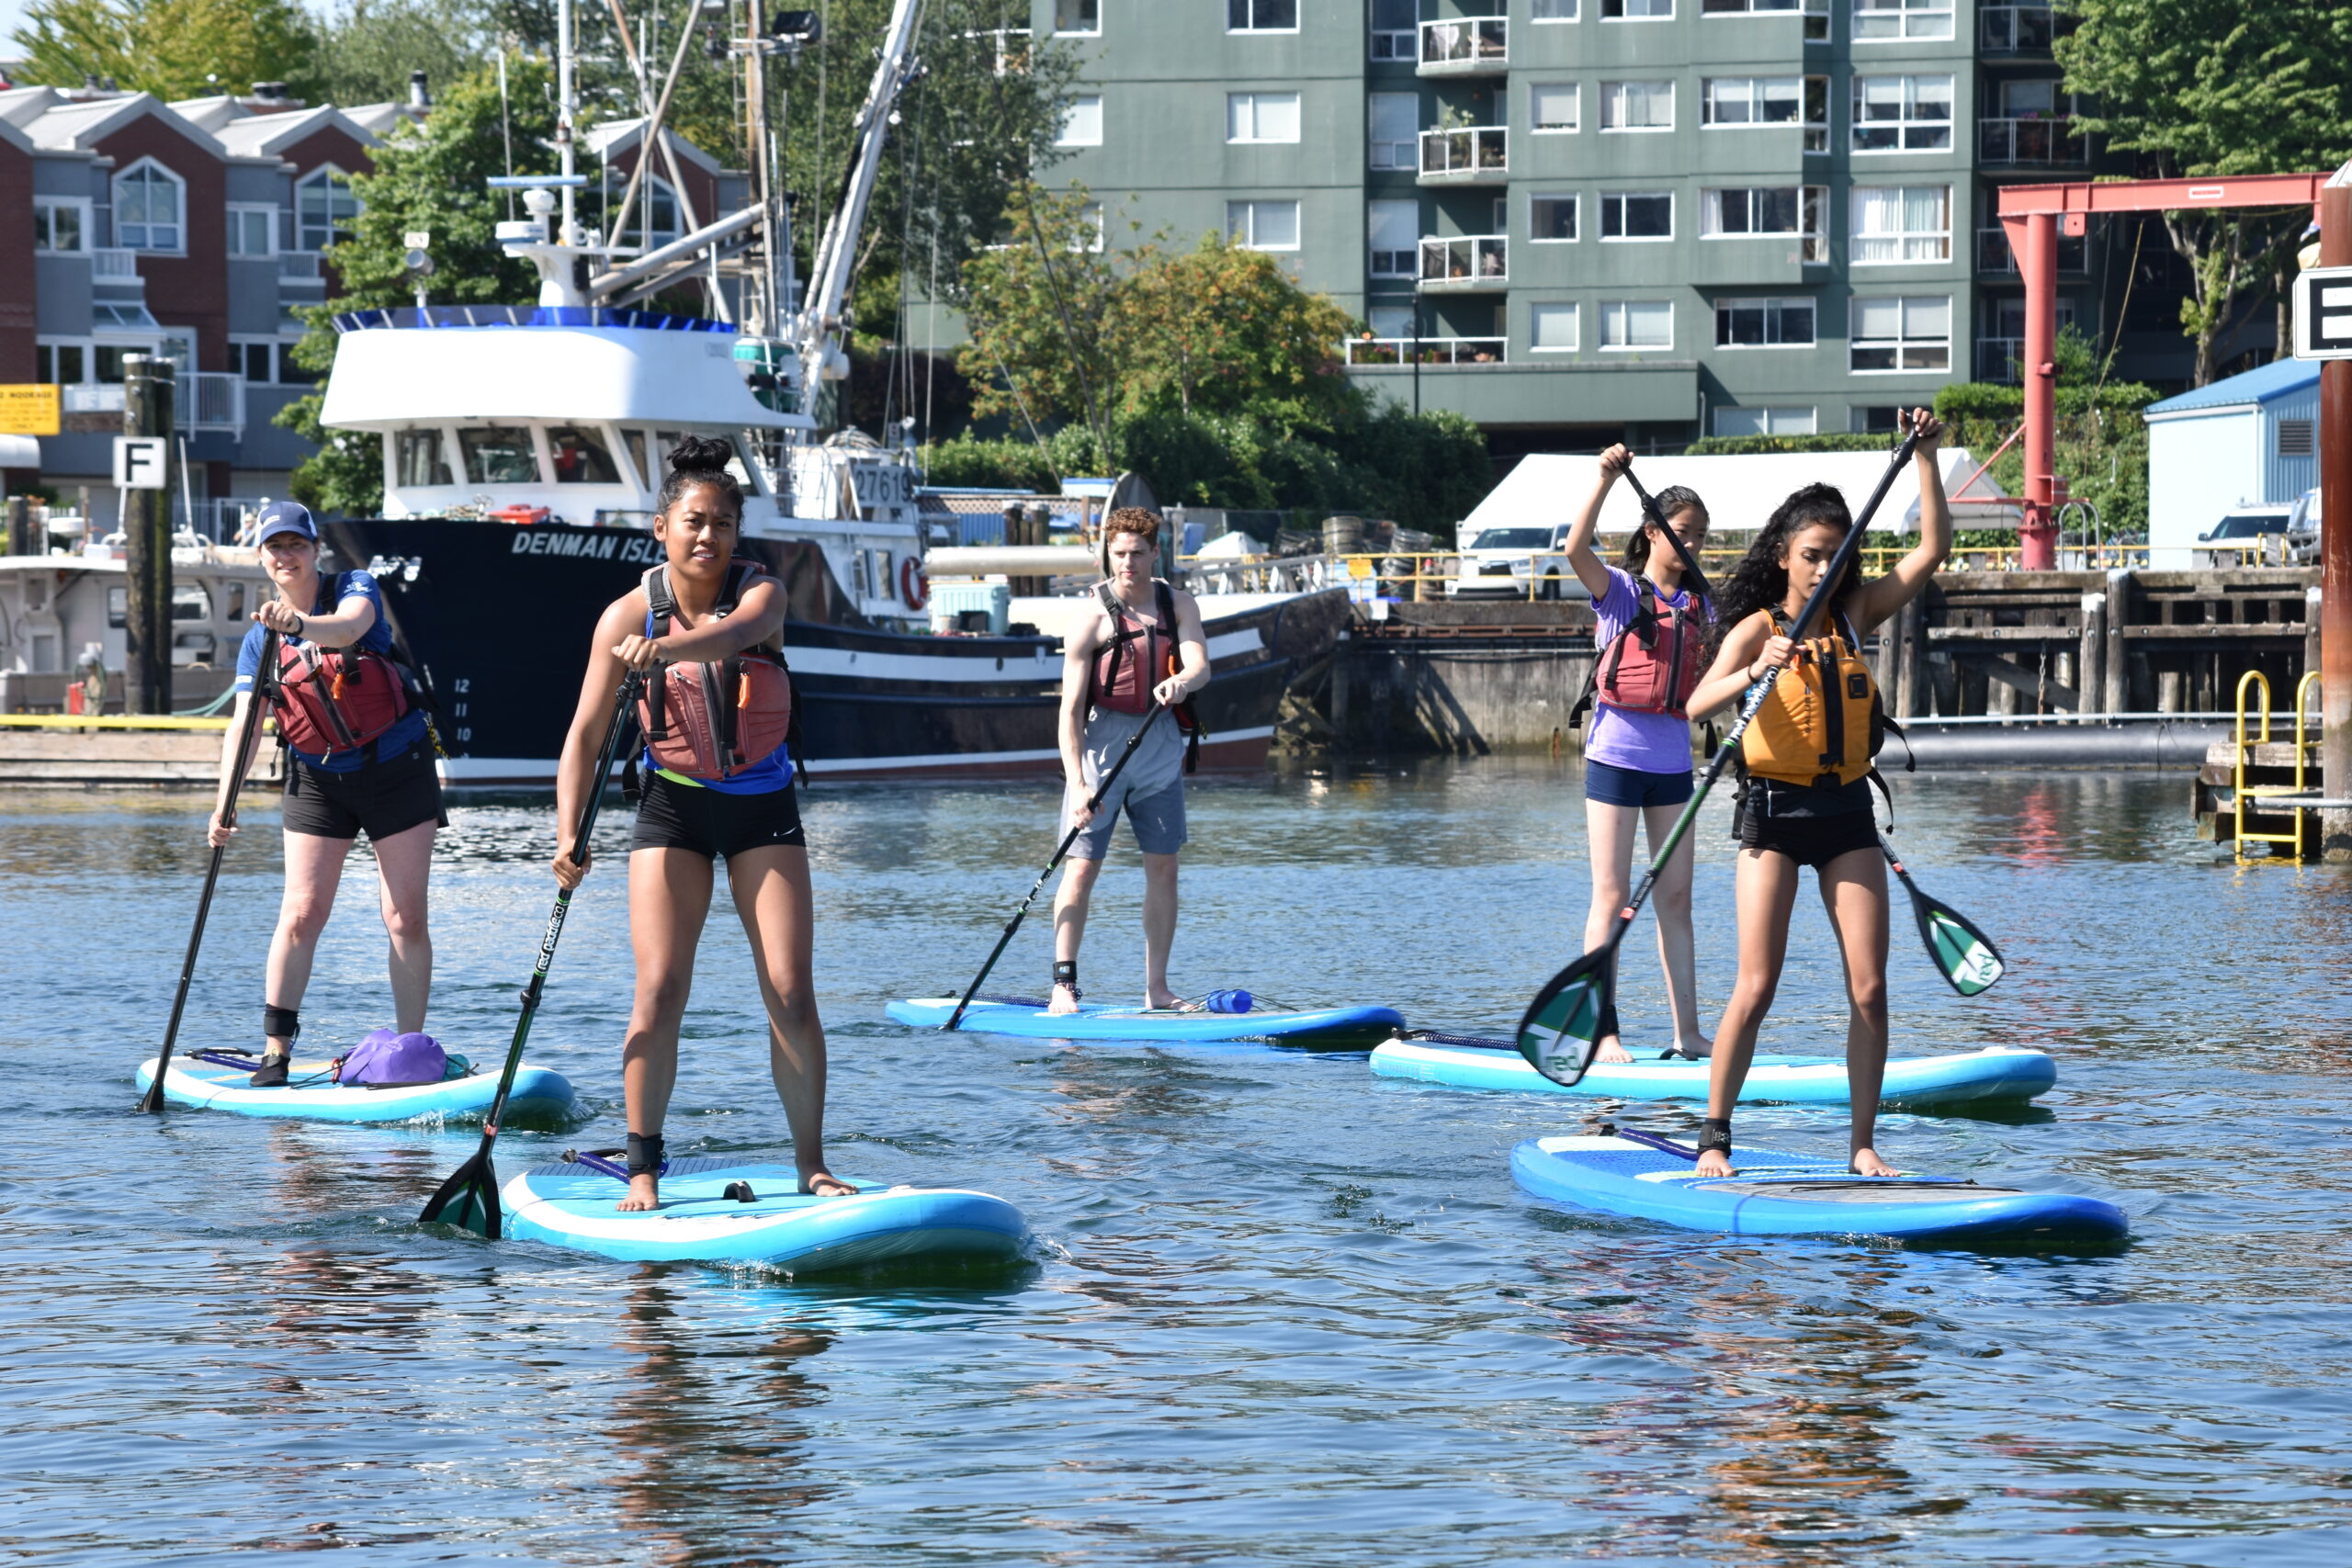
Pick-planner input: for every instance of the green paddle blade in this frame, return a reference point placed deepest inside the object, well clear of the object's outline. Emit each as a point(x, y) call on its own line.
point(468, 1199)
point(1966, 955)
point(1561, 1026)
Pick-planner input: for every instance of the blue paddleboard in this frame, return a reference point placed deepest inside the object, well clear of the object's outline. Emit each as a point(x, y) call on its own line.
point(1998, 1073)
point(572, 1205)
point(1098, 1020)
point(1773, 1193)
point(537, 1093)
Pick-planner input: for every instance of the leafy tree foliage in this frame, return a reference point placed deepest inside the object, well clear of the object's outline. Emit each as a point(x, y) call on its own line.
point(370, 46)
point(2214, 87)
point(2101, 445)
point(173, 49)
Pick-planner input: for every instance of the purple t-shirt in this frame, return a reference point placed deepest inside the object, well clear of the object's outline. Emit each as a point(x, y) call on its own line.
point(1648, 742)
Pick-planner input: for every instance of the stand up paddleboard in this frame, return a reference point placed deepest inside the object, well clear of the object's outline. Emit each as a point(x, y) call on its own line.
point(1773, 1193)
point(724, 1209)
point(1996, 1074)
point(1356, 1027)
point(215, 1085)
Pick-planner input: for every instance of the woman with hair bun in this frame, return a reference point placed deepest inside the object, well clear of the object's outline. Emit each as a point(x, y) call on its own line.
point(1649, 640)
point(706, 631)
point(1805, 767)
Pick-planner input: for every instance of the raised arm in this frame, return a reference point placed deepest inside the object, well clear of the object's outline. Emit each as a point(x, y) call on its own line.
point(1590, 569)
point(1875, 601)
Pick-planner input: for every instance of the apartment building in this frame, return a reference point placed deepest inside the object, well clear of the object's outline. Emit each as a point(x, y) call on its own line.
point(1576, 220)
point(197, 229)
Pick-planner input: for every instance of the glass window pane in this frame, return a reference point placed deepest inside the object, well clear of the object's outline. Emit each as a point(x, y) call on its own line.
point(499, 456)
point(1395, 116)
point(1395, 225)
point(1926, 317)
point(1278, 116)
point(418, 459)
point(581, 457)
point(1552, 217)
point(1553, 327)
point(1275, 225)
point(1553, 106)
point(1878, 317)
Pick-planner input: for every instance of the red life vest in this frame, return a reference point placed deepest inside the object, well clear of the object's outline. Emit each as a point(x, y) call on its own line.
point(1124, 677)
point(712, 720)
point(1655, 663)
point(330, 700)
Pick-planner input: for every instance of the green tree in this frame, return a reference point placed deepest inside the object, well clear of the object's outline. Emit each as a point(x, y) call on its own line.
point(1038, 310)
point(430, 178)
point(1220, 328)
point(2216, 87)
point(173, 49)
point(370, 46)
point(2101, 443)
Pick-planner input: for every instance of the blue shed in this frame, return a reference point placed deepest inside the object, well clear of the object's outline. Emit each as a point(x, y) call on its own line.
point(2245, 440)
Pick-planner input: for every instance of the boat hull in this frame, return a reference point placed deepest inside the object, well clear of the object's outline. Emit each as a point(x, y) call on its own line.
point(874, 704)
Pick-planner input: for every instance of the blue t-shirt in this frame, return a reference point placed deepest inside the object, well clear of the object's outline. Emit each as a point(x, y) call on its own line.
point(379, 640)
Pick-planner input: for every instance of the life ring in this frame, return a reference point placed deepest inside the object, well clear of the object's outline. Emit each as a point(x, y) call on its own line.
point(913, 586)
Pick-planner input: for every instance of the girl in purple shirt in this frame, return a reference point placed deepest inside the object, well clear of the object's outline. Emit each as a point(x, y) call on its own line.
point(1637, 751)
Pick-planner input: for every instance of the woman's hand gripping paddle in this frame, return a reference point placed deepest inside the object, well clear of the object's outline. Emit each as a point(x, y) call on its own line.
point(1562, 1025)
point(1093, 804)
point(264, 683)
point(470, 1198)
point(1695, 580)
point(1964, 955)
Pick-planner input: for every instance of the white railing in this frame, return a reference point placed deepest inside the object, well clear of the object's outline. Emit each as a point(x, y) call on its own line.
point(1370, 350)
point(92, 400)
point(1462, 261)
point(2029, 141)
point(2015, 29)
point(208, 400)
point(1474, 153)
point(1464, 45)
point(298, 264)
point(115, 263)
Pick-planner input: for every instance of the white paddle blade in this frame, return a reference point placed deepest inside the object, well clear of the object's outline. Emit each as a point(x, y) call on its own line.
point(1561, 1032)
point(1968, 960)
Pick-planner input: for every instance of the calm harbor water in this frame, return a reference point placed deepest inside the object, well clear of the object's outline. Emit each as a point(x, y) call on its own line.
point(1278, 1311)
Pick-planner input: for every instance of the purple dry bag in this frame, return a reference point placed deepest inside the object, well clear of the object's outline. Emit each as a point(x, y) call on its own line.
point(383, 1058)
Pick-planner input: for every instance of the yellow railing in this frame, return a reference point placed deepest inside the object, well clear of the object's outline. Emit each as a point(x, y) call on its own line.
point(2306, 700)
point(108, 721)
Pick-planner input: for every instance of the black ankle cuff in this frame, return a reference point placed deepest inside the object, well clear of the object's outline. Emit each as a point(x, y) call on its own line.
point(645, 1154)
point(1715, 1135)
point(1066, 974)
point(285, 1023)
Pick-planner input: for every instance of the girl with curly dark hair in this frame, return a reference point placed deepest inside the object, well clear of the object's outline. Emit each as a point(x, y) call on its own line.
point(1806, 764)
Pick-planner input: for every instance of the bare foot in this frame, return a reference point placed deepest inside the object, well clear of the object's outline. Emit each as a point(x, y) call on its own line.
point(1064, 999)
point(1867, 1163)
point(821, 1183)
point(1162, 998)
point(1699, 1048)
point(1612, 1050)
point(1714, 1162)
point(644, 1192)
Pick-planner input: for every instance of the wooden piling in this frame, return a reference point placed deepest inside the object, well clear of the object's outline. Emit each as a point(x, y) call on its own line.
point(2335, 546)
point(147, 385)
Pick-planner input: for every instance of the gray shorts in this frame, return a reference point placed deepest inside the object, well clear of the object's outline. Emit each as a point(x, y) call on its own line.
point(1157, 819)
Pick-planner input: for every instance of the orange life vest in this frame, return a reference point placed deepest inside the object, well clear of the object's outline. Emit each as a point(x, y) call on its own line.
point(1821, 724)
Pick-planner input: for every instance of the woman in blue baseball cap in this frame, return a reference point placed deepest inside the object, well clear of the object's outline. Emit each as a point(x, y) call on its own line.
point(359, 758)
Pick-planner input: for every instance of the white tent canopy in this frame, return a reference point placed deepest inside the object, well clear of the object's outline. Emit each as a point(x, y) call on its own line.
point(1741, 491)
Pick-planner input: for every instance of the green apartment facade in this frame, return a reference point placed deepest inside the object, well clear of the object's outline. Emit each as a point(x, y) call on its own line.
point(1580, 220)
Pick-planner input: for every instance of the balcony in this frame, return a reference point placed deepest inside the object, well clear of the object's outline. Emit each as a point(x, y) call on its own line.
point(2030, 143)
point(1463, 351)
point(1993, 253)
point(1473, 156)
point(1464, 46)
point(2014, 30)
point(1466, 263)
point(1998, 358)
point(208, 400)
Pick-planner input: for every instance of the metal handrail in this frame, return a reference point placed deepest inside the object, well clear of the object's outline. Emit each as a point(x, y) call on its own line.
point(1465, 259)
point(1466, 150)
point(1466, 40)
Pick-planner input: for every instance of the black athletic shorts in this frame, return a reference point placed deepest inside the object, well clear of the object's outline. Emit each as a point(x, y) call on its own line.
point(379, 798)
point(1810, 841)
point(712, 823)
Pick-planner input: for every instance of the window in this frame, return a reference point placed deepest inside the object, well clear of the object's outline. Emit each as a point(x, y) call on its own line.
point(1394, 25)
point(1395, 125)
point(1261, 117)
point(253, 358)
point(1081, 121)
point(1555, 10)
point(1552, 329)
point(1754, 212)
point(324, 208)
point(1391, 321)
point(288, 372)
point(1552, 219)
point(253, 230)
point(1878, 419)
point(1736, 102)
point(1078, 16)
point(1638, 106)
point(61, 364)
point(1396, 230)
point(1877, 20)
point(61, 226)
point(2031, 98)
point(1763, 422)
point(1636, 10)
point(1636, 324)
point(1262, 225)
point(1816, 12)
point(1636, 215)
point(1090, 214)
point(581, 456)
point(1262, 16)
point(418, 459)
point(147, 208)
point(1552, 106)
point(1902, 114)
point(1901, 223)
point(499, 455)
point(1763, 323)
point(653, 195)
point(1909, 333)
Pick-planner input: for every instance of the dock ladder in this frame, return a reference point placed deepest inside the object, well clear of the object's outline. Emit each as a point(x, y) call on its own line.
point(2254, 758)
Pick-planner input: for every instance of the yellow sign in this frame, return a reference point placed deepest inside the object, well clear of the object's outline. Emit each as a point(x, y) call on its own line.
point(28, 411)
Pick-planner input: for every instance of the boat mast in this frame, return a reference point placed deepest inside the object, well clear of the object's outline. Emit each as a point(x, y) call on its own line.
point(760, 314)
point(820, 326)
point(566, 113)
